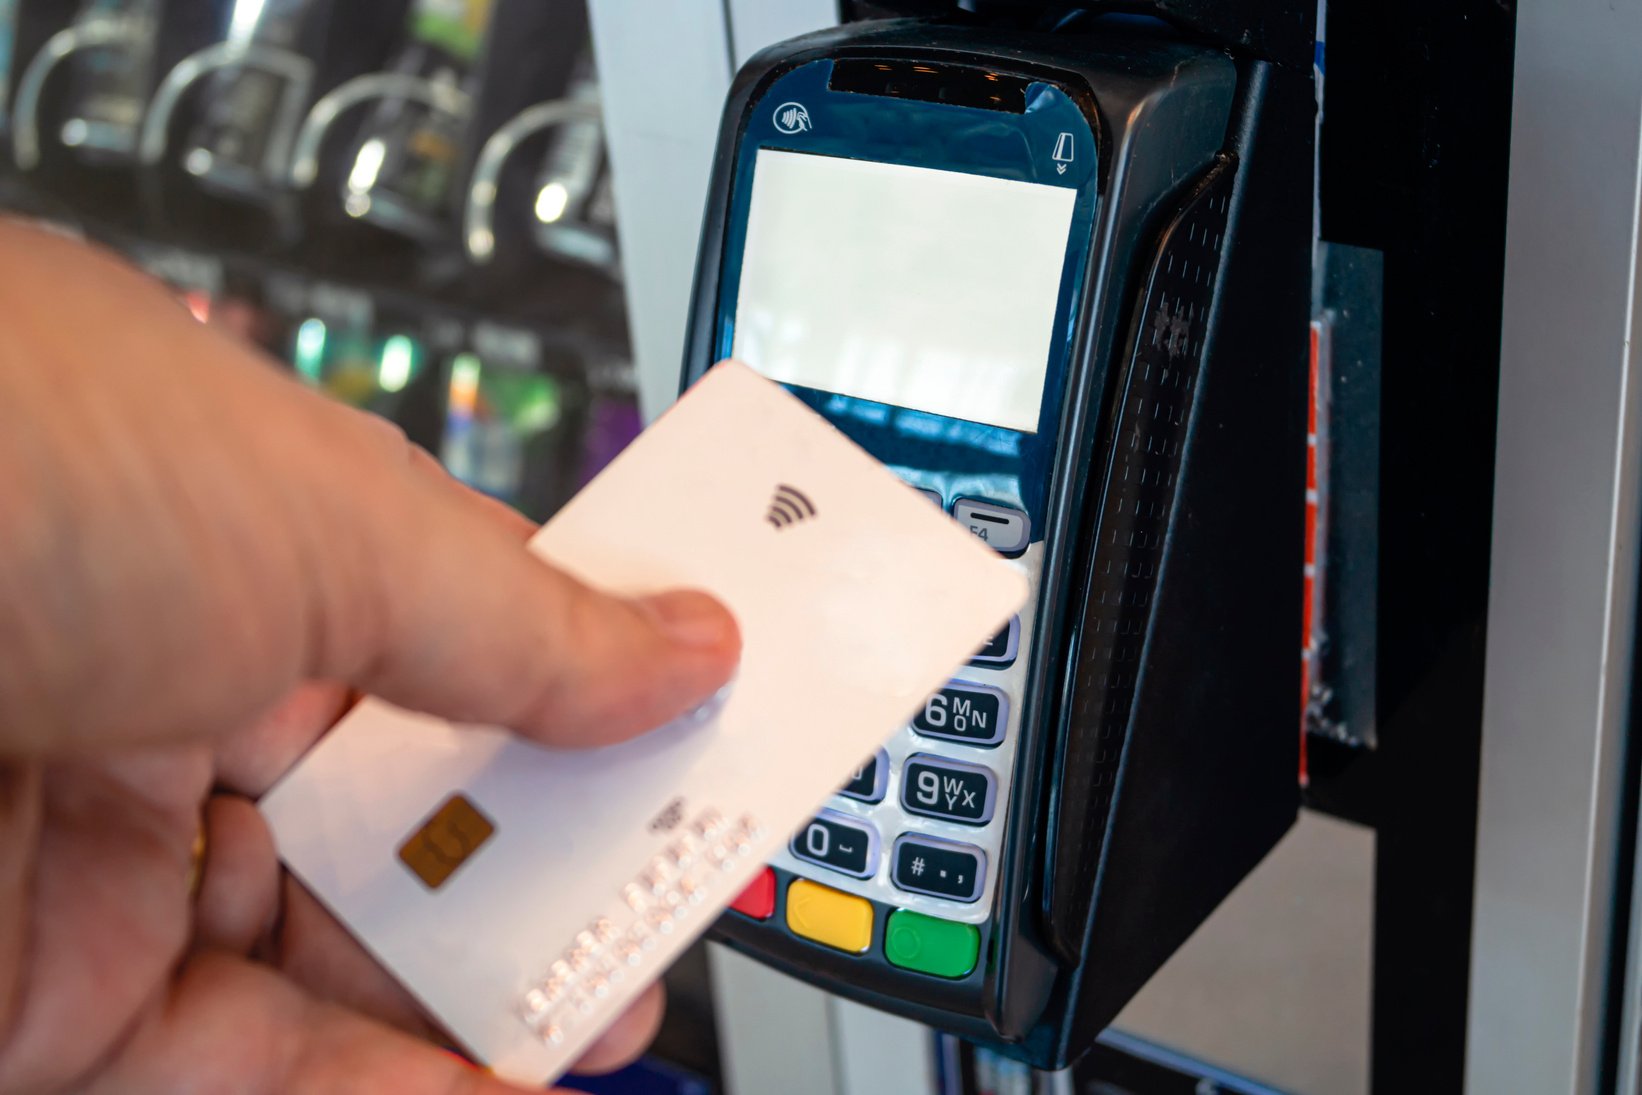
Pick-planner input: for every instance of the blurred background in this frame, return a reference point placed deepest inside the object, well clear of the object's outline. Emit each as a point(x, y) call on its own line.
point(410, 205)
point(406, 202)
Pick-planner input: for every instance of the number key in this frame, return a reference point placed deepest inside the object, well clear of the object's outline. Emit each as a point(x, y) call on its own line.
point(1000, 651)
point(867, 785)
point(973, 714)
point(838, 843)
point(948, 790)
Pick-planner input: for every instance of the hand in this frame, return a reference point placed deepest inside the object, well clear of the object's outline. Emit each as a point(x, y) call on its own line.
point(199, 562)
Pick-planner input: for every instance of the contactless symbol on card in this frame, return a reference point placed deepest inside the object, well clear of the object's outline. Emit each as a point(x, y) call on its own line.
point(790, 506)
point(445, 841)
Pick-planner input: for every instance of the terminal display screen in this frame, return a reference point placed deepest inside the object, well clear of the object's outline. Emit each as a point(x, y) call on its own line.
point(919, 288)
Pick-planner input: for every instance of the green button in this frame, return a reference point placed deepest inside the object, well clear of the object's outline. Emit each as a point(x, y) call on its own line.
point(941, 948)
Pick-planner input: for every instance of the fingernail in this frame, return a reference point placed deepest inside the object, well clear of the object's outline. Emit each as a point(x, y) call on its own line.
point(690, 619)
point(708, 711)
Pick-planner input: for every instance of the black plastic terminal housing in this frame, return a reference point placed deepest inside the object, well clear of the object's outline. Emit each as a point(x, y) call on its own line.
point(1158, 749)
point(1281, 31)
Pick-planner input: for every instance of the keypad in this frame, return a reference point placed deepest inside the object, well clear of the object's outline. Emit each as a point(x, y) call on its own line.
point(938, 868)
point(867, 785)
point(1005, 529)
point(838, 843)
point(948, 790)
point(975, 714)
point(873, 854)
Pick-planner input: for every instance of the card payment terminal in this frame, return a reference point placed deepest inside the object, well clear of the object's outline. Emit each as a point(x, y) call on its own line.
point(1058, 283)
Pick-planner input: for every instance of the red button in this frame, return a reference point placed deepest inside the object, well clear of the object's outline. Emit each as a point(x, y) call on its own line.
point(758, 900)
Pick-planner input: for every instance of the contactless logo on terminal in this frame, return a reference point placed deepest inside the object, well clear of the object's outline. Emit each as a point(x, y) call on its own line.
point(791, 118)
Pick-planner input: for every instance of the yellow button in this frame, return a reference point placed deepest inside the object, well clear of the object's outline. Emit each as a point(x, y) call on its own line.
point(823, 914)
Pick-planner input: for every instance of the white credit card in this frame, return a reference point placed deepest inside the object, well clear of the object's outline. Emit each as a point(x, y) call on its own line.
point(527, 895)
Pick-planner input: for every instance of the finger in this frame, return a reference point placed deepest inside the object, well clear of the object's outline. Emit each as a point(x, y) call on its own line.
point(535, 649)
point(317, 953)
point(251, 762)
point(628, 1037)
point(168, 501)
point(240, 882)
point(109, 888)
point(230, 1025)
point(22, 805)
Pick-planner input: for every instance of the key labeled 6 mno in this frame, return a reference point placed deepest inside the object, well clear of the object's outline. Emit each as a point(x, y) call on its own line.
point(971, 713)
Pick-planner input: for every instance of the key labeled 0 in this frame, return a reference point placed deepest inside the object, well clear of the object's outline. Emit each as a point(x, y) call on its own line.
point(839, 843)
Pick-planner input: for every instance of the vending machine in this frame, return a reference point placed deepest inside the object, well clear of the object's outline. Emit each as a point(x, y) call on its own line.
point(1283, 345)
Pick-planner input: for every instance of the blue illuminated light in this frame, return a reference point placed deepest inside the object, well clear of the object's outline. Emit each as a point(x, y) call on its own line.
point(925, 426)
point(862, 410)
point(954, 431)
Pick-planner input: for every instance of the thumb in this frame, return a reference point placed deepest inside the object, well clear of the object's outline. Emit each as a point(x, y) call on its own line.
point(186, 535)
point(456, 618)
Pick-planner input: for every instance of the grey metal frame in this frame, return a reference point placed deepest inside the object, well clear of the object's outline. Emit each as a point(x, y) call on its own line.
point(669, 66)
point(1561, 630)
point(666, 68)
